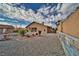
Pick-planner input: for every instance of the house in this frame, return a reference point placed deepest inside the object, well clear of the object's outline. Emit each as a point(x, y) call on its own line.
point(71, 24)
point(39, 28)
point(6, 28)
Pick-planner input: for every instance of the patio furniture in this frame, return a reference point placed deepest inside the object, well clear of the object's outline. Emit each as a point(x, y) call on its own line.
point(4, 37)
point(7, 36)
point(1, 37)
point(28, 34)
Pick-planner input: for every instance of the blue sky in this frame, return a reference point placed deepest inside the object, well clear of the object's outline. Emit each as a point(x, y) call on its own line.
point(22, 14)
point(34, 6)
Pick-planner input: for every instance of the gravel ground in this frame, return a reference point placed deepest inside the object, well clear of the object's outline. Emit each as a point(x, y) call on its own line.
point(48, 45)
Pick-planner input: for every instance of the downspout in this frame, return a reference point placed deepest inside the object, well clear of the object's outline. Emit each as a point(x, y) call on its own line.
point(61, 26)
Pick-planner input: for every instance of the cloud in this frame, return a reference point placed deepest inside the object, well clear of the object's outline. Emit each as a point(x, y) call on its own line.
point(13, 12)
point(68, 8)
point(47, 14)
point(5, 23)
point(44, 10)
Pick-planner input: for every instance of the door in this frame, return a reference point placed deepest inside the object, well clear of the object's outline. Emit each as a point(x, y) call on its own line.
point(39, 32)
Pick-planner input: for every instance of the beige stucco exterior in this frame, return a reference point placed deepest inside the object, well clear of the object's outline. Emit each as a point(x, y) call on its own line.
point(71, 24)
point(39, 27)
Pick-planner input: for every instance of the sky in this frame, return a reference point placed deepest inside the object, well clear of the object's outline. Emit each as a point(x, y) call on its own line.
point(22, 14)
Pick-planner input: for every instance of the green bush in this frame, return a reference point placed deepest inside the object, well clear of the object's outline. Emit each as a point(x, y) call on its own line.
point(22, 32)
point(16, 31)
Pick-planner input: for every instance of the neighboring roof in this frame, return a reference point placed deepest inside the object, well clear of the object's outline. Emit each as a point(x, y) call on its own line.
point(39, 24)
point(6, 26)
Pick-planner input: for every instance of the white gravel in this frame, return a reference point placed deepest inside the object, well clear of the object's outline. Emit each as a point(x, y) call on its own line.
point(48, 45)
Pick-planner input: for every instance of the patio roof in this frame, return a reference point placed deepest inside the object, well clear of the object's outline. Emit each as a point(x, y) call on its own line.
point(6, 26)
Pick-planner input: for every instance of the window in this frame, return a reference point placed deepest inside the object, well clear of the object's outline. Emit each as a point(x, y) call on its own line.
point(33, 29)
point(44, 30)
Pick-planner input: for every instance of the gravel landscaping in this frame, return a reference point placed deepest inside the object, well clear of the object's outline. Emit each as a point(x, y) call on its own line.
point(48, 45)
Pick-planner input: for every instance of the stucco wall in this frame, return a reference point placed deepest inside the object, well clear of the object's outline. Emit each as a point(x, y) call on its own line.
point(71, 24)
point(6, 31)
point(59, 28)
point(39, 27)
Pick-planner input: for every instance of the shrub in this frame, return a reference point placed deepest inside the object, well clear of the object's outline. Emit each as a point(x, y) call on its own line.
point(22, 32)
point(16, 31)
